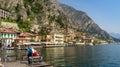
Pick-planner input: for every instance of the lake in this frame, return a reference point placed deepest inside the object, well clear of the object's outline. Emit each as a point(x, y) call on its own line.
point(82, 56)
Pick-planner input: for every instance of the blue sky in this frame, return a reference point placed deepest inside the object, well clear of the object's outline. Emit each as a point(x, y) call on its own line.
point(105, 13)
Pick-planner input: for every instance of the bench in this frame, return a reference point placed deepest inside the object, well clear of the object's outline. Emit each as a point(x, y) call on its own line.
point(34, 59)
point(11, 58)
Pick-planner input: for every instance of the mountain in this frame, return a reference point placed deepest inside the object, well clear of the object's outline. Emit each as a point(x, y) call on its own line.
point(116, 35)
point(31, 15)
point(84, 22)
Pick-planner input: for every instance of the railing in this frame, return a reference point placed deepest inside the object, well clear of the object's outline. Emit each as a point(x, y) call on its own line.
point(34, 59)
point(11, 58)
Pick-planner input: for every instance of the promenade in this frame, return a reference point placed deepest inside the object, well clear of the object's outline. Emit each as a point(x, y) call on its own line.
point(15, 64)
point(25, 64)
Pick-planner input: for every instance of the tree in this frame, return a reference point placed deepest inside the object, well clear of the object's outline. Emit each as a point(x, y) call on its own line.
point(32, 40)
point(43, 32)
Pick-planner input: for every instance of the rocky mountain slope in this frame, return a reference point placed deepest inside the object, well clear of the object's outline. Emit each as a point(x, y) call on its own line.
point(84, 22)
point(35, 12)
point(50, 13)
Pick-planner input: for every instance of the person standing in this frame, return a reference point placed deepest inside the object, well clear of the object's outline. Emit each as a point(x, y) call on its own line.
point(29, 53)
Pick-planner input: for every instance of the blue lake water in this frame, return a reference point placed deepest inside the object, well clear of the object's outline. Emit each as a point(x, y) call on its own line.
point(83, 56)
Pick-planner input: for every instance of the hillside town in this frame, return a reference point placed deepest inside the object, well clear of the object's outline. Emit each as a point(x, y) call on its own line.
point(13, 36)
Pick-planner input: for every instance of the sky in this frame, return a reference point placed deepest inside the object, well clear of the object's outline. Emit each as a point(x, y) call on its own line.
point(105, 13)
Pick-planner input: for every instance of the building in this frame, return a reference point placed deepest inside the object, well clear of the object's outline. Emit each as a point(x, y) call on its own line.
point(55, 38)
point(29, 36)
point(7, 36)
point(70, 35)
point(4, 14)
point(24, 37)
point(19, 41)
point(58, 38)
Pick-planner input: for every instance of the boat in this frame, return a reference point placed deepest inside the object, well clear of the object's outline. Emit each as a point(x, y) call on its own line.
point(91, 44)
point(10, 48)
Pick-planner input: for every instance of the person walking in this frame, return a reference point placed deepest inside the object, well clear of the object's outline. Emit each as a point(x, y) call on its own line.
point(29, 54)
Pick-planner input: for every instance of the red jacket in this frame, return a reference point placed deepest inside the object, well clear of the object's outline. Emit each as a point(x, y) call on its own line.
point(35, 54)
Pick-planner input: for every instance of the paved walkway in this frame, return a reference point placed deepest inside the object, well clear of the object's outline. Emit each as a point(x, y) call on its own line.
point(16, 64)
point(1, 65)
point(25, 64)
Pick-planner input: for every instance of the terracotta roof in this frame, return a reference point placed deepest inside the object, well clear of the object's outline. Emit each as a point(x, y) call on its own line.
point(8, 30)
point(26, 34)
point(21, 39)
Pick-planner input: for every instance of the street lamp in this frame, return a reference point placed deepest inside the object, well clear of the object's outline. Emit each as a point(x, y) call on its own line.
point(4, 51)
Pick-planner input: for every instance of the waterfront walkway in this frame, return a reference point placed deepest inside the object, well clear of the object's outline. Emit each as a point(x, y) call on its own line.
point(25, 64)
point(1, 65)
point(15, 64)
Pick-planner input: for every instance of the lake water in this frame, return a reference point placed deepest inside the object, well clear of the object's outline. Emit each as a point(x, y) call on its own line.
point(83, 56)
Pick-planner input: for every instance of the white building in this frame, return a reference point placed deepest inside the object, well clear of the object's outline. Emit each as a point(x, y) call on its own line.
point(58, 38)
point(4, 14)
point(7, 36)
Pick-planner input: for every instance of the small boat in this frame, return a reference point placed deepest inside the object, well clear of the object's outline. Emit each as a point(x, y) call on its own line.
point(91, 44)
point(10, 48)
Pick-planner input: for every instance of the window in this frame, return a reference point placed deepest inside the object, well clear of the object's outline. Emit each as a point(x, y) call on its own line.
point(14, 35)
point(8, 35)
point(4, 35)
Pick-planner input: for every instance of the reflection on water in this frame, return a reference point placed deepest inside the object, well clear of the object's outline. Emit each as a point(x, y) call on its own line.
point(84, 56)
point(81, 56)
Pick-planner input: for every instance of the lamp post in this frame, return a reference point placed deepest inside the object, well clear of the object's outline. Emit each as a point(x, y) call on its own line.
point(4, 56)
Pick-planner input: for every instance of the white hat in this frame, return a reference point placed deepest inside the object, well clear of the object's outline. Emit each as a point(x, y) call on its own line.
point(33, 50)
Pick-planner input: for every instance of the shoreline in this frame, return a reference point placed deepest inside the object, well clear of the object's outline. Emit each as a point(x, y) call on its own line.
point(50, 46)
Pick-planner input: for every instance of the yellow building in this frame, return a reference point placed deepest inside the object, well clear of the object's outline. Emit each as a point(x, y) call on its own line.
point(29, 36)
point(70, 35)
point(25, 37)
point(55, 38)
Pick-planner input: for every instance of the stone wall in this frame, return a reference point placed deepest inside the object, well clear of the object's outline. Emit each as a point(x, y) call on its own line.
point(9, 25)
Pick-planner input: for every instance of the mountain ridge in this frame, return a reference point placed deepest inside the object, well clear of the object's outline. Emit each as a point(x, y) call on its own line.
point(84, 22)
